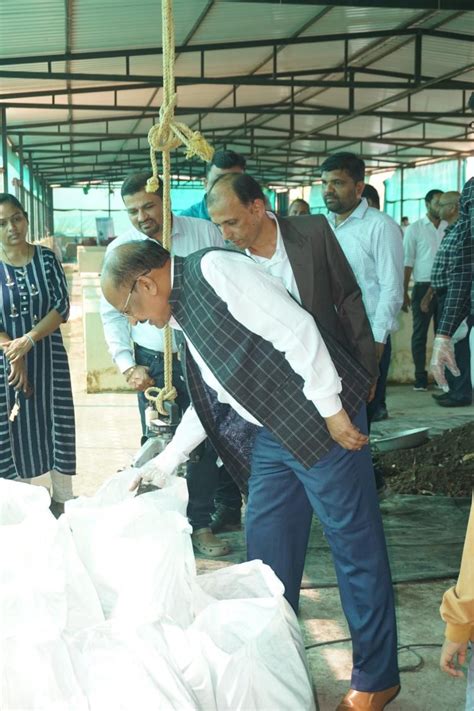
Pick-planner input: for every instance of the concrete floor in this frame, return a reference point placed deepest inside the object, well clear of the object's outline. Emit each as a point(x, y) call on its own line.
point(108, 431)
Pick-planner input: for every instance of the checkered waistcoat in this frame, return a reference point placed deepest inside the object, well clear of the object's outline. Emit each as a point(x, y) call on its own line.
point(256, 375)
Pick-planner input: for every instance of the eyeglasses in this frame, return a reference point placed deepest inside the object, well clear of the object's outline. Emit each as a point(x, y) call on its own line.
point(129, 295)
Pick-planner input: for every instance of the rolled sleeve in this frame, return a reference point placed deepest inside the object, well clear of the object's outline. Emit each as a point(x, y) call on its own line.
point(117, 333)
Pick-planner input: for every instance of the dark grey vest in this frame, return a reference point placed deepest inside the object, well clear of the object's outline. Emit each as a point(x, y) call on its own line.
point(256, 375)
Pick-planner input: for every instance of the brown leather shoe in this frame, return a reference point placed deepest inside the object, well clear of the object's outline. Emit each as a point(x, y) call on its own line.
point(368, 700)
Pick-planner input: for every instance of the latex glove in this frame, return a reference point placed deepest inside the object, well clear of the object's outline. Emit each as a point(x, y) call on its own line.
point(158, 470)
point(453, 656)
point(441, 358)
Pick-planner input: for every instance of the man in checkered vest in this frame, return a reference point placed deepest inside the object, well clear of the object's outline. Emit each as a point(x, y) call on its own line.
point(285, 410)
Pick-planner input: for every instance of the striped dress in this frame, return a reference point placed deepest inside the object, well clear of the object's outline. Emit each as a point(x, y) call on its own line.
point(42, 436)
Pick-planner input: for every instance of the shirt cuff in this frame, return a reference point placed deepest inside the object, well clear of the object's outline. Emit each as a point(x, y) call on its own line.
point(169, 460)
point(459, 633)
point(124, 360)
point(328, 406)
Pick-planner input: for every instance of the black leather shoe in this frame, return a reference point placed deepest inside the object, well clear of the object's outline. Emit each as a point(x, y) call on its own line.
point(449, 402)
point(381, 414)
point(440, 396)
point(225, 519)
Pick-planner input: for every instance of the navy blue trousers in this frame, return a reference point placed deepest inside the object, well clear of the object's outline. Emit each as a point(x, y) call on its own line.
point(340, 489)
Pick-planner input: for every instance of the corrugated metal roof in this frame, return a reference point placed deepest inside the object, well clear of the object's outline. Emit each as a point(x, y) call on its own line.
point(107, 103)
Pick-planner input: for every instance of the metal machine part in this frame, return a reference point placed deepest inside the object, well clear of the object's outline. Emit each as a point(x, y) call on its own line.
point(160, 431)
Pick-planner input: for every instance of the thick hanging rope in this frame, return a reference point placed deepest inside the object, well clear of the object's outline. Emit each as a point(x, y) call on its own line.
point(165, 136)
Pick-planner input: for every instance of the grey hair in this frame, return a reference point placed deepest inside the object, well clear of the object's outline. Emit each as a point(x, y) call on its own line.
point(127, 262)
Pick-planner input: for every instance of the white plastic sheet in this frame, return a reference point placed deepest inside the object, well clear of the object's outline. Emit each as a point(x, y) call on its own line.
point(38, 677)
point(127, 669)
point(251, 641)
point(137, 551)
point(224, 641)
point(44, 588)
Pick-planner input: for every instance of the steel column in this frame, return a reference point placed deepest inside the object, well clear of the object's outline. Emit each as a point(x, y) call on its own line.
point(4, 150)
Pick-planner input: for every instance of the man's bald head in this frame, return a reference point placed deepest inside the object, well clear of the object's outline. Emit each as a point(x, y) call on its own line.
point(137, 269)
point(243, 186)
point(448, 206)
point(236, 204)
point(124, 263)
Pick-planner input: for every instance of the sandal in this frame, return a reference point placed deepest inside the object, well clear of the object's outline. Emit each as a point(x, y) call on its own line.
point(205, 542)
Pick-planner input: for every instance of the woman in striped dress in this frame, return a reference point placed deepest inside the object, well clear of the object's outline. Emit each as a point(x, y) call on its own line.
point(39, 437)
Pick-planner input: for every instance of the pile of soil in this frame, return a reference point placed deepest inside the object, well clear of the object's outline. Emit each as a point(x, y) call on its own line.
point(443, 465)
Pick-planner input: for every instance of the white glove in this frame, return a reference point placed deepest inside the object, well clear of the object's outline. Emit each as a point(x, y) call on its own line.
point(158, 470)
point(441, 358)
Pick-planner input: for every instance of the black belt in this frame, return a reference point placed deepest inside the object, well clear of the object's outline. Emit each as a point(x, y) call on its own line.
point(149, 352)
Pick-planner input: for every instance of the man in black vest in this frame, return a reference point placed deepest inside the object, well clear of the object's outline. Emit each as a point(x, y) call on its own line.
point(285, 410)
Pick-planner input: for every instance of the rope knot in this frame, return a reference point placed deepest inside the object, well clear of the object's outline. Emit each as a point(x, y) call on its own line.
point(152, 184)
point(157, 396)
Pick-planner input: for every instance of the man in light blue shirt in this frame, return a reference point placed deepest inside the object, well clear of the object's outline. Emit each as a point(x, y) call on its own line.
point(222, 162)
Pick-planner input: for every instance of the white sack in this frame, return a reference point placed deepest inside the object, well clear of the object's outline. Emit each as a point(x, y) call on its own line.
point(137, 550)
point(251, 641)
point(44, 588)
point(124, 669)
point(38, 677)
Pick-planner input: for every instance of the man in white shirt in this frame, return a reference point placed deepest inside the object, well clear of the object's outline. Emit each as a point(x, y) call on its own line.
point(372, 243)
point(420, 243)
point(138, 350)
point(265, 389)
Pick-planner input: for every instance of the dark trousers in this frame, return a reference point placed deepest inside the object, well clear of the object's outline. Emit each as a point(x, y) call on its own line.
point(340, 489)
point(379, 397)
point(460, 387)
point(227, 492)
point(201, 476)
point(421, 324)
point(378, 401)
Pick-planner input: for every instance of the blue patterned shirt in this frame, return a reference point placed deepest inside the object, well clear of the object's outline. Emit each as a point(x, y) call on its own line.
point(460, 288)
point(442, 264)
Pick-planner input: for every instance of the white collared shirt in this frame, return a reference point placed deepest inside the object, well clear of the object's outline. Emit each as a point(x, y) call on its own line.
point(261, 303)
point(420, 244)
point(278, 265)
point(188, 235)
point(372, 244)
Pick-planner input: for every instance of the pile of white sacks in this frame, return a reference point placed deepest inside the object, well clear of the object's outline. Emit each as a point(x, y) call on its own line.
point(103, 610)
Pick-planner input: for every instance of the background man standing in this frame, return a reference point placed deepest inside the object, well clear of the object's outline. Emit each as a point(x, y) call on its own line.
point(138, 350)
point(299, 207)
point(372, 243)
point(460, 387)
point(421, 242)
point(459, 302)
point(222, 162)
